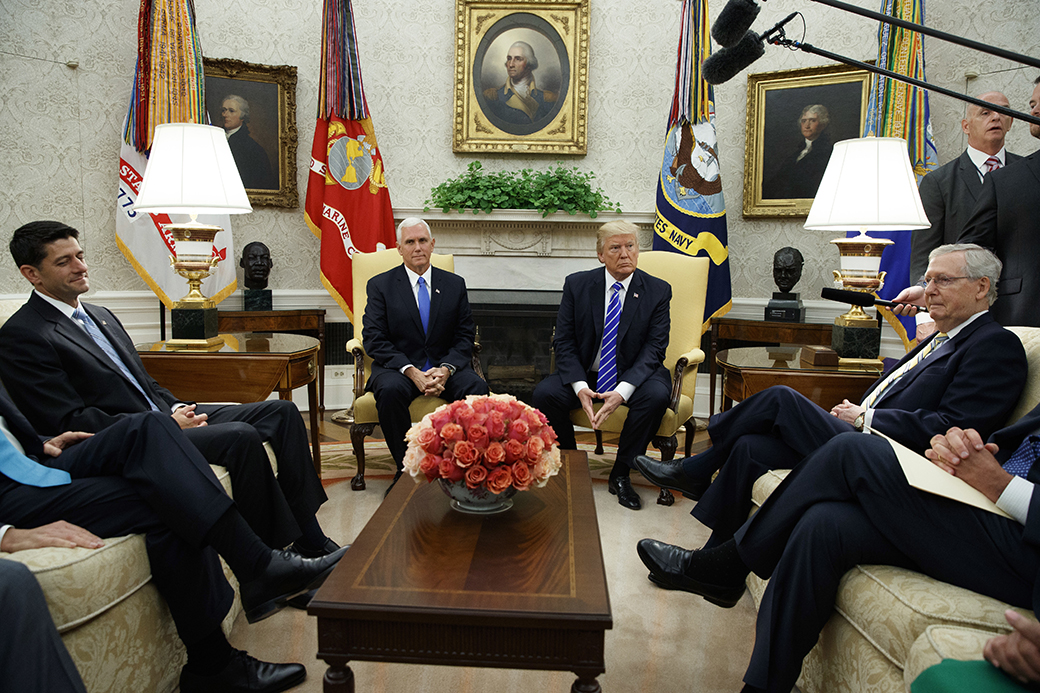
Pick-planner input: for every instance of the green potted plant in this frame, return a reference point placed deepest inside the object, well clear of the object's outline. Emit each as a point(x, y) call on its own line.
point(557, 189)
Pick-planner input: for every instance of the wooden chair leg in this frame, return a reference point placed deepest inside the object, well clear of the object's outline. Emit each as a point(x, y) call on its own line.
point(599, 442)
point(358, 433)
point(667, 447)
point(691, 431)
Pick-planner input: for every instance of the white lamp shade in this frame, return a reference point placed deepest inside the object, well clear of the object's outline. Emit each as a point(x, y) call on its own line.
point(868, 185)
point(191, 171)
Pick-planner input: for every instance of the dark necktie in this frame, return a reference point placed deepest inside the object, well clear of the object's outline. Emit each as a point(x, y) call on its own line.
point(607, 377)
point(101, 340)
point(17, 467)
point(1023, 458)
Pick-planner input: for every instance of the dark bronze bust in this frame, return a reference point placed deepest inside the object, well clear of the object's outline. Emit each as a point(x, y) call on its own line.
point(787, 268)
point(256, 261)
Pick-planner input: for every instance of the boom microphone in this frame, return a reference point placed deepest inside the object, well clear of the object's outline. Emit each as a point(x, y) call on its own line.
point(860, 298)
point(734, 21)
point(723, 65)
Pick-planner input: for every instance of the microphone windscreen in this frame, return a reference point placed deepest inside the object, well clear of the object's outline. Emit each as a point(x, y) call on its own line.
point(734, 20)
point(856, 298)
point(724, 65)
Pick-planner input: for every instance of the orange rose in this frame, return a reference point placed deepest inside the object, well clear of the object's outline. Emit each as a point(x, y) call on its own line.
point(495, 454)
point(429, 441)
point(452, 431)
point(521, 476)
point(475, 476)
point(478, 436)
point(430, 466)
point(500, 479)
point(450, 471)
point(515, 450)
point(535, 445)
point(465, 453)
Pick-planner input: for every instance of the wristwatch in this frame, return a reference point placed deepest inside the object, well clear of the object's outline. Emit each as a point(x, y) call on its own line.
point(858, 423)
point(451, 369)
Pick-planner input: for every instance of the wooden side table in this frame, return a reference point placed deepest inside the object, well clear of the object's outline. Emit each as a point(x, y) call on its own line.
point(311, 321)
point(761, 331)
point(248, 368)
point(753, 369)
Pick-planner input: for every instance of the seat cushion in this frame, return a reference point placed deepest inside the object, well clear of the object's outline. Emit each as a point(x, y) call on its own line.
point(82, 583)
point(943, 642)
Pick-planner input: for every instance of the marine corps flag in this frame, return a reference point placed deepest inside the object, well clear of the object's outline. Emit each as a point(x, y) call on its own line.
point(691, 211)
point(348, 204)
point(168, 88)
point(897, 109)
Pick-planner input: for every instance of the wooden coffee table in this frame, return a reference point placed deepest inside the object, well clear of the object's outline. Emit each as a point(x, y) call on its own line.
point(425, 584)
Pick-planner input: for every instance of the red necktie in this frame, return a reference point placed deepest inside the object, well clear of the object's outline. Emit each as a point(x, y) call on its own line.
point(992, 164)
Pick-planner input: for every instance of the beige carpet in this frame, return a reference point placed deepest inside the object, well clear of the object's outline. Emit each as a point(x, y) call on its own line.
point(661, 640)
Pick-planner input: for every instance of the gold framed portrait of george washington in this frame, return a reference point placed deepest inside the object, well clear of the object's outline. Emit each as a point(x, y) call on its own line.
point(521, 76)
point(794, 117)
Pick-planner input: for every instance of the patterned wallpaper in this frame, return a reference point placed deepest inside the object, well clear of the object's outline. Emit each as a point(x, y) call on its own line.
point(61, 124)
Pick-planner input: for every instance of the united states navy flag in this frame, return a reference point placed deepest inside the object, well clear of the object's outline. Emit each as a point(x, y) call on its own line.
point(691, 211)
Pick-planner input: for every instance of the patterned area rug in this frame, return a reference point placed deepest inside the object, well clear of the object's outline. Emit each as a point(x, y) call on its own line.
point(338, 461)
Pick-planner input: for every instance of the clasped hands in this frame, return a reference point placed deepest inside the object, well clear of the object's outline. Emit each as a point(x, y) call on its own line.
point(611, 401)
point(963, 453)
point(430, 382)
point(847, 411)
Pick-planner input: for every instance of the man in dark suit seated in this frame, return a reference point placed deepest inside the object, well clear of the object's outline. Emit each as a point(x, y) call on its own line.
point(70, 365)
point(141, 475)
point(971, 372)
point(949, 192)
point(849, 503)
point(419, 331)
point(611, 334)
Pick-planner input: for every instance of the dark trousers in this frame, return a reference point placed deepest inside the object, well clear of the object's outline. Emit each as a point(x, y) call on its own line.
point(773, 429)
point(556, 399)
point(33, 658)
point(848, 504)
point(394, 393)
point(274, 507)
point(141, 475)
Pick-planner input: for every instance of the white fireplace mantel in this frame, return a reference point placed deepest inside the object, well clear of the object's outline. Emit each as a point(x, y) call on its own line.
point(520, 249)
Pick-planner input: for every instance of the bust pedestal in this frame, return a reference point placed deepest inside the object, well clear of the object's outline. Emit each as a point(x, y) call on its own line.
point(257, 299)
point(785, 307)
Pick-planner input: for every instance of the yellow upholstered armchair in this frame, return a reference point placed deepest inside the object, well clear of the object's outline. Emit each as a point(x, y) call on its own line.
point(688, 277)
point(365, 266)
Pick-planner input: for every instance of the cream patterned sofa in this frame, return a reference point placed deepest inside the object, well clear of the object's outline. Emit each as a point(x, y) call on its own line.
point(109, 613)
point(890, 624)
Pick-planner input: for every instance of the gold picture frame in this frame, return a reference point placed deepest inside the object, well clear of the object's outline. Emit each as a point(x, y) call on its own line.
point(780, 176)
point(551, 117)
point(268, 136)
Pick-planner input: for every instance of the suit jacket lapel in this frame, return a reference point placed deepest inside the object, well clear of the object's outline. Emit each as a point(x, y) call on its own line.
point(436, 299)
point(115, 338)
point(970, 177)
point(406, 298)
point(628, 311)
point(598, 294)
point(66, 329)
point(941, 353)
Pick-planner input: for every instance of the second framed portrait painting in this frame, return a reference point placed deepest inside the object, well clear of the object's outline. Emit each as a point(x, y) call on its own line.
point(256, 106)
point(794, 117)
point(521, 76)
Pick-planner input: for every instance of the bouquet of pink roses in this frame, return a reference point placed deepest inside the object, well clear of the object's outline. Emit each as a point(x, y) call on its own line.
point(495, 442)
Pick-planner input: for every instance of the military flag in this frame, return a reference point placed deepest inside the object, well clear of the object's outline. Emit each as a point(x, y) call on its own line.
point(168, 88)
point(691, 211)
point(897, 109)
point(348, 203)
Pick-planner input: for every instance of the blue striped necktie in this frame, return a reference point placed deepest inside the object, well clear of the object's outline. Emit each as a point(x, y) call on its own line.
point(1021, 461)
point(424, 313)
point(101, 340)
point(607, 377)
point(17, 467)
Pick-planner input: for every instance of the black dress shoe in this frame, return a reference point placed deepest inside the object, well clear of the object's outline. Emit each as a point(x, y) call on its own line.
point(302, 600)
point(328, 548)
point(670, 475)
point(245, 674)
point(668, 565)
point(286, 576)
point(621, 486)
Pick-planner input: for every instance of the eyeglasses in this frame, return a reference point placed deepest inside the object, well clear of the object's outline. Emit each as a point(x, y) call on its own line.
point(941, 282)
